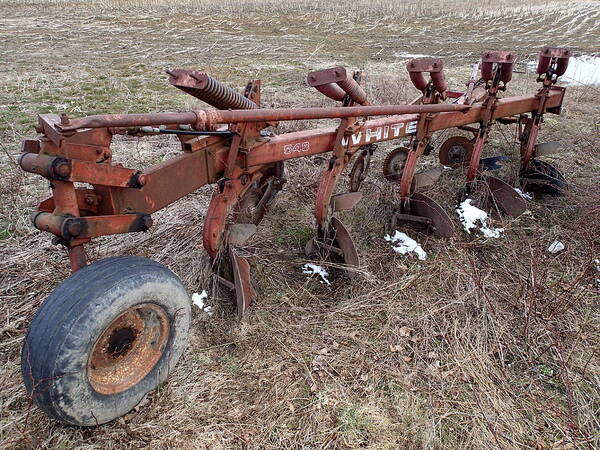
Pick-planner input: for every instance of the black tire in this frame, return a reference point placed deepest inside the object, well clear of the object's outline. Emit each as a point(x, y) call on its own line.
point(80, 360)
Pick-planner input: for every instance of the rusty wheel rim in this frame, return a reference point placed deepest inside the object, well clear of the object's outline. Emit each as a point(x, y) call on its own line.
point(456, 151)
point(128, 348)
point(394, 162)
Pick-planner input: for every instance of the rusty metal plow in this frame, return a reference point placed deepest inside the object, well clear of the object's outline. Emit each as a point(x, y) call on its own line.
point(231, 148)
point(113, 330)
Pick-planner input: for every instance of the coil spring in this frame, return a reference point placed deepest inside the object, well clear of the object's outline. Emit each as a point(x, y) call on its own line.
point(220, 96)
point(354, 90)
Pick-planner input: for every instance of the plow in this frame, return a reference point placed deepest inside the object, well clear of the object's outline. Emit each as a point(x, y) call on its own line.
point(114, 329)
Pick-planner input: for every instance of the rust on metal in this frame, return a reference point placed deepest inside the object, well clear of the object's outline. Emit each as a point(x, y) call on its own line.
point(246, 163)
point(255, 115)
point(128, 348)
point(394, 162)
point(206, 88)
point(424, 206)
point(336, 83)
point(455, 151)
point(505, 197)
point(416, 67)
point(245, 293)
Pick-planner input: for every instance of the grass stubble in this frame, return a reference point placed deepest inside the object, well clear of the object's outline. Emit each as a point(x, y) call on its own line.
point(487, 343)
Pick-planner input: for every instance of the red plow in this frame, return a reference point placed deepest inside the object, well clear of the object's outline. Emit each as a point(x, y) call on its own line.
point(113, 330)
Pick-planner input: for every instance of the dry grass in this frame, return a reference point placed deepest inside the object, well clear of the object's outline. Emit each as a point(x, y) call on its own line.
point(484, 344)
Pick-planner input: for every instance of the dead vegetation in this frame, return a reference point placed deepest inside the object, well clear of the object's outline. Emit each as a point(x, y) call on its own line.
point(487, 343)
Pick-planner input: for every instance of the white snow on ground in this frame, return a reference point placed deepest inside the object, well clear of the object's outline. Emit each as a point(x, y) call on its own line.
point(198, 299)
point(409, 55)
point(525, 195)
point(597, 262)
point(474, 218)
point(556, 247)
point(403, 244)
point(313, 269)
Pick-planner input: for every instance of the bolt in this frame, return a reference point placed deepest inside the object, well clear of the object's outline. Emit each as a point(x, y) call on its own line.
point(63, 170)
point(98, 151)
point(106, 154)
point(89, 200)
point(434, 64)
point(312, 78)
point(39, 129)
point(73, 227)
point(64, 119)
point(142, 180)
point(148, 222)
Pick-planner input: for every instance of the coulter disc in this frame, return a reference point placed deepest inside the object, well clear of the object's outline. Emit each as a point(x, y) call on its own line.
point(394, 162)
point(456, 151)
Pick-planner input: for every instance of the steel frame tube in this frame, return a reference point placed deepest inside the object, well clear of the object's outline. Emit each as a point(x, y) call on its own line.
point(254, 115)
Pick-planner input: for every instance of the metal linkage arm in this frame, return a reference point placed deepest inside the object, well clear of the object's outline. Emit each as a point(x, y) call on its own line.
point(202, 117)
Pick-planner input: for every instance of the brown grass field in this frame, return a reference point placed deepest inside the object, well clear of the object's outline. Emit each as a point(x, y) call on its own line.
point(489, 343)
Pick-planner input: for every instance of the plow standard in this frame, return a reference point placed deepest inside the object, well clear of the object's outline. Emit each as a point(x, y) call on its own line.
point(114, 329)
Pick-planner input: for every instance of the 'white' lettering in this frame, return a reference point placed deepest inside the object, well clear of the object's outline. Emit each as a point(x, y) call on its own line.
point(373, 134)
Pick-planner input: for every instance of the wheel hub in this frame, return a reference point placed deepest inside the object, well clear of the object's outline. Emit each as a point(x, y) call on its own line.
point(455, 151)
point(128, 348)
point(394, 163)
point(120, 342)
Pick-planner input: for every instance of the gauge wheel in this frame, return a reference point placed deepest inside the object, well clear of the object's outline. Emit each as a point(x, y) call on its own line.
point(357, 174)
point(394, 162)
point(456, 151)
point(254, 204)
point(105, 337)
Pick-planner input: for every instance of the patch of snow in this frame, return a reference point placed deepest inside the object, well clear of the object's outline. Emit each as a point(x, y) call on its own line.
point(403, 244)
point(474, 218)
point(199, 300)
point(409, 55)
point(525, 195)
point(597, 262)
point(584, 69)
point(313, 269)
point(556, 247)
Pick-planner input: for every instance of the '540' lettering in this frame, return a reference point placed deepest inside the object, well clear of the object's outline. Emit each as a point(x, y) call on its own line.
point(300, 147)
